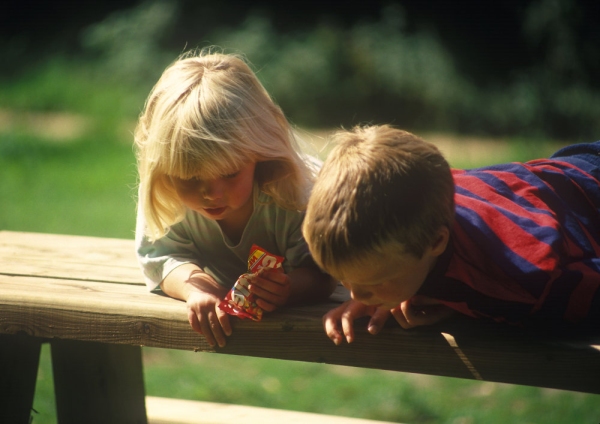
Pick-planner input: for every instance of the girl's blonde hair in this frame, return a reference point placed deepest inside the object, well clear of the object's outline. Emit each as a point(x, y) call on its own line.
point(207, 116)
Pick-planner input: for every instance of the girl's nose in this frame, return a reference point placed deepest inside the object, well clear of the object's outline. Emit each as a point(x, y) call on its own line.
point(212, 190)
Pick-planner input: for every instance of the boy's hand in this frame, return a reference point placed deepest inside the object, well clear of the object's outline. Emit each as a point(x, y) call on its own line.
point(272, 288)
point(339, 322)
point(420, 310)
point(207, 318)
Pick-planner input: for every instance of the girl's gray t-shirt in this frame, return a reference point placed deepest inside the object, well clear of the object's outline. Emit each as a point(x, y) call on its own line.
point(199, 240)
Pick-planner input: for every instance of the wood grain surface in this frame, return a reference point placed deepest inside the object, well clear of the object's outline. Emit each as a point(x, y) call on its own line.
point(91, 289)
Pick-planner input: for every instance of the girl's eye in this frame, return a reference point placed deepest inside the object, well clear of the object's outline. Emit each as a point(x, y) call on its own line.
point(233, 175)
point(185, 183)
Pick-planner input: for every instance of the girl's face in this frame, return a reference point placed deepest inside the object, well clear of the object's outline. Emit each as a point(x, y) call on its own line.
point(228, 197)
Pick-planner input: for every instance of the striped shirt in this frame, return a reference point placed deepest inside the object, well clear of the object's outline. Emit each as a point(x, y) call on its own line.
point(525, 246)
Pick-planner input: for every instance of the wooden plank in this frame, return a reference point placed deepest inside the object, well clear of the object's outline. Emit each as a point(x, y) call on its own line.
point(98, 383)
point(19, 360)
point(179, 411)
point(508, 355)
point(126, 314)
point(73, 306)
point(72, 257)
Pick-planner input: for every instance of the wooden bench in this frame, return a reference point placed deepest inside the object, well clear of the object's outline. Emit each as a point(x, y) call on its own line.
point(85, 296)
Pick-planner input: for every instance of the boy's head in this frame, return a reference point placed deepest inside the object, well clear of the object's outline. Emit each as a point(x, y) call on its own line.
point(382, 205)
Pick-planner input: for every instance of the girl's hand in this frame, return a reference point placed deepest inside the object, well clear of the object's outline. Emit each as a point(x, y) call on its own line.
point(207, 318)
point(271, 287)
point(339, 322)
point(420, 310)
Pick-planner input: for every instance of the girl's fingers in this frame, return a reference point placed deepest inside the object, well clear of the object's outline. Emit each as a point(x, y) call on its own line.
point(193, 320)
point(205, 328)
point(224, 321)
point(271, 289)
point(273, 282)
point(258, 288)
point(265, 306)
point(212, 330)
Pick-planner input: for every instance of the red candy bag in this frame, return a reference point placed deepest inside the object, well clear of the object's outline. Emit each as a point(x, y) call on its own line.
point(239, 301)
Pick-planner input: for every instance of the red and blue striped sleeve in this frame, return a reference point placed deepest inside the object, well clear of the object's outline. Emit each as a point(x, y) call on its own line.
point(526, 243)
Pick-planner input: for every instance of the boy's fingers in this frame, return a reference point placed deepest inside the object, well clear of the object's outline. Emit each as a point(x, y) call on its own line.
point(351, 311)
point(378, 319)
point(400, 318)
point(331, 329)
point(431, 314)
point(348, 325)
point(412, 314)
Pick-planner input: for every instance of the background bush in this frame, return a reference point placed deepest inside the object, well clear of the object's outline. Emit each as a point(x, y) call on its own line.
point(388, 66)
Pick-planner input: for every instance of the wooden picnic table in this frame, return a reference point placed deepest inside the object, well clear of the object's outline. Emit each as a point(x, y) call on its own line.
point(86, 297)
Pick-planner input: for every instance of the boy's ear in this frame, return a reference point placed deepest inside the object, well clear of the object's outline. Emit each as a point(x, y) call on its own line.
point(439, 245)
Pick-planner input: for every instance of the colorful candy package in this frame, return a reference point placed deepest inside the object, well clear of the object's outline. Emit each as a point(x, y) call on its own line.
point(239, 301)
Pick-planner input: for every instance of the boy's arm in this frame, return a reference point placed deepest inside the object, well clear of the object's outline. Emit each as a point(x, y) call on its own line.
point(421, 310)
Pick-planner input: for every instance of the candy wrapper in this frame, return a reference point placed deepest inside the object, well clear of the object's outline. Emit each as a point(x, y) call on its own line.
point(239, 301)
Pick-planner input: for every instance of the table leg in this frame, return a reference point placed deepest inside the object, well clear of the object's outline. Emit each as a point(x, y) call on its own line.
point(98, 383)
point(19, 362)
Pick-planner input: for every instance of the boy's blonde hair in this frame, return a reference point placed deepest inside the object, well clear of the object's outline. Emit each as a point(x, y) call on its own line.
point(381, 191)
point(207, 116)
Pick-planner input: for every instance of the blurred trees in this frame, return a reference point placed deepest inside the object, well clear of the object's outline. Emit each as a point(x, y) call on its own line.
point(502, 68)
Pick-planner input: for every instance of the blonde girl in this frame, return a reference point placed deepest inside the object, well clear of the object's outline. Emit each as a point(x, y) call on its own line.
point(219, 170)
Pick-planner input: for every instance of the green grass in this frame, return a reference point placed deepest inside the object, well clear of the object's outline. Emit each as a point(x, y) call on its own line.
point(343, 391)
point(357, 392)
point(83, 187)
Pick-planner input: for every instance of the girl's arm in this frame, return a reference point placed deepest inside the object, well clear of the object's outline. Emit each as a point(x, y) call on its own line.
point(306, 283)
point(310, 284)
point(202, 295)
